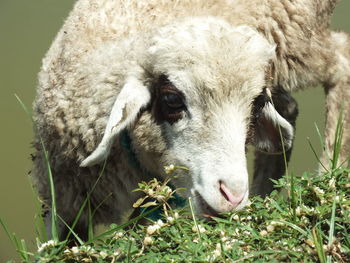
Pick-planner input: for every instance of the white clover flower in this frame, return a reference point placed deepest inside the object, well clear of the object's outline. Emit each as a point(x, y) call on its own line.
point(170, 219)
point(233, 240)
point(298, 211)
point(270, 228)
point(87, 249)
point(103, 254)
point(118, 235)
point(228, 245)
point(45, 245)
point(246, 232)
point(298, 249)
point(224, 239)
point(176, 215)
point(263, 233)
point(160, 223)
point(318, 191)
point(148, 241)
point(199, 228)
point(75, 250)
point(236, 217)
point(217, 253)
point(273, 223)
point(152, 229)
point(310, 209)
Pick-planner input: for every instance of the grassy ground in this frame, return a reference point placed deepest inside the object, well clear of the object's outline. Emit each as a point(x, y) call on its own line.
point(311, 223)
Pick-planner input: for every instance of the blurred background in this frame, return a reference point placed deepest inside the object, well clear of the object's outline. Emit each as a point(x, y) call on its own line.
point(27, 29)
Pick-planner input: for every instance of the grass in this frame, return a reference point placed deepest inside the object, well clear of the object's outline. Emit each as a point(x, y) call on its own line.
point(310, 224)
point(266, 231)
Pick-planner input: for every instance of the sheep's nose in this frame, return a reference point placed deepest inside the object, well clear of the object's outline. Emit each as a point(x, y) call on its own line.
point(235, 200)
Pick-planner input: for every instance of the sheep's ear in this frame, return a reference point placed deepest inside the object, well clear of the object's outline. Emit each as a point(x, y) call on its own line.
point(131, 99)
point(272, 133)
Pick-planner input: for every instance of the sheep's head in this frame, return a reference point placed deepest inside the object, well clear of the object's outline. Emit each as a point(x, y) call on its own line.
point(200, 98)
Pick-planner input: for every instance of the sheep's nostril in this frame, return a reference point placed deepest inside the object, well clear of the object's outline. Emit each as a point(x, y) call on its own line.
point(227, 194)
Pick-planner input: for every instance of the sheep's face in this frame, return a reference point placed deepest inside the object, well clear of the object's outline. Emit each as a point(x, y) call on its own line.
point(207, 133)
point(203, 78)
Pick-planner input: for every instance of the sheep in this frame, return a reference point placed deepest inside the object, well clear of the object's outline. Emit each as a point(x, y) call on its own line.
point(188, 83)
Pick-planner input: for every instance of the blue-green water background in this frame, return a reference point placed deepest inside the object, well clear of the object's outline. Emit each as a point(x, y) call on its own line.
point(27, 27)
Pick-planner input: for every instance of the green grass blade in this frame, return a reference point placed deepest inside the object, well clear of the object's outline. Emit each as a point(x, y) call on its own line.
point(82, 207)
point(24, 107)
point(331, 228)
point(319, 136)
point(261, 253)
point(315, 154)
point(54, 231)
point(317, 238)
point(81, 242)
point(292, 195)
point(90, 222)
point(101, 203)
point(194, 218)
point(300, 230)
point(337, 141)
point(24, 250)
point(40, 228)
point(332, 224)
point(129, 252)
point(77, 217)
point(20, 246)
point(4, 226)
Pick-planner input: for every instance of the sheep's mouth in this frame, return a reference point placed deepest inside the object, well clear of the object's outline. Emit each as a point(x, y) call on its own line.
point(206, 209)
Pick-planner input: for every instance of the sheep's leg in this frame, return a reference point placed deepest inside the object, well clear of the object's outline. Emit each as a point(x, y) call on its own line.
point(269, 166)
point(337, 89)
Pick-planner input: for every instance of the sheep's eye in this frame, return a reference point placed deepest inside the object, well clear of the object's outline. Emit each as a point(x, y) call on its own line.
point(171, 105)
point(170, 102)
point(173, 101)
